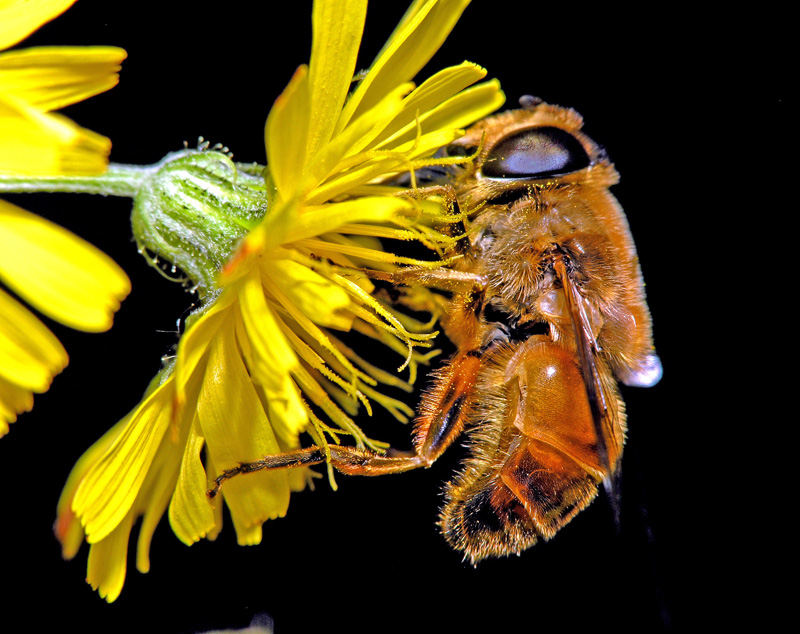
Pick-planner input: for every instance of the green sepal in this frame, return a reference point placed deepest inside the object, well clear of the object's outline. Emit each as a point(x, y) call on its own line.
point(194, 209)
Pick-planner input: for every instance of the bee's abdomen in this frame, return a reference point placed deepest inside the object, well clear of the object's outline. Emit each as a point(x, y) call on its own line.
point(535, 461)
point(537, 491)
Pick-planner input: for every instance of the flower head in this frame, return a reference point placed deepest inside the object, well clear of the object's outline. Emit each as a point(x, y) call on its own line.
point(262, 361)
point(56, 272)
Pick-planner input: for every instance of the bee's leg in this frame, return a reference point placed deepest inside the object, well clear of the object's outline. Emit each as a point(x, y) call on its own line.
point(443, 279)
point(442, 415)
point(452, 225)
point(350, 460)
point(446, 406)
point(296, 458)
point(468, 286)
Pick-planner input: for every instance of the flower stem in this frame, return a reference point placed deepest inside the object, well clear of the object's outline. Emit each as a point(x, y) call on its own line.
point(119, 180)
point(191, 209)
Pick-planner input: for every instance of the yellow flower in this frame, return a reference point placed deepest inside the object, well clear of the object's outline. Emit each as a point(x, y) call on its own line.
point(59, 274)
point(259, 364)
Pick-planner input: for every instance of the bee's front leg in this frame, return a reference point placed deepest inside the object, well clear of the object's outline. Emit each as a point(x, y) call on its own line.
point(443, 279)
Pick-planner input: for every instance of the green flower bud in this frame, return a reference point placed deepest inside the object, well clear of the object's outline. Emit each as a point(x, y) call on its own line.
point(193, 211)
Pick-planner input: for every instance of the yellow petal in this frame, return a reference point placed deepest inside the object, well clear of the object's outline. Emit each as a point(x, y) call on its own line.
point(217, 509)
point(61, 275)
point(191, 515)
point(282, 402)
point(193, 345)
point(13, 400)
point(286, 133)
point(316, 221)
point(49, 78)
point(435, 90)
point(342, 152)
point(20, 18)
point(338, 26)
point(272, 354)
point(236, 429)
point(315, 295)
point(306, 325)
point(108, 562)
point(420, 34)
point(456, 112)
point(267, 237)
point(68, 528)
point(32, 142)
point(30, 356)
point(427, 144)
point(399, 159)
point(107, 493)
point(159, 485)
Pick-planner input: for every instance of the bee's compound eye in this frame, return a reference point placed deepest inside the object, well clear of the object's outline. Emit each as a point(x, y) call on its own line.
point(537, 152)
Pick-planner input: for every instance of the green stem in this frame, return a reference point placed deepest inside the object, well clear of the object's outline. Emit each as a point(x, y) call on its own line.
point(191, 209)
point(119, 180)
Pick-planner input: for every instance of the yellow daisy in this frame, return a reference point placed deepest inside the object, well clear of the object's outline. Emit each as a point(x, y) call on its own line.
point(56, 272)
point(259, 363)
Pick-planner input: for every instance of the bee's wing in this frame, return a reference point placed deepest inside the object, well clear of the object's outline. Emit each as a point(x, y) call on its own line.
point(599, 386)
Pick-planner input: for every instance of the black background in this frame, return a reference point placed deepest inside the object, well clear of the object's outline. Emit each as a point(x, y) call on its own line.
point(653, 88)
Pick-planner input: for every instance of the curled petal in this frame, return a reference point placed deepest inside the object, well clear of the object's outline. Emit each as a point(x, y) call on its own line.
point(200, 331)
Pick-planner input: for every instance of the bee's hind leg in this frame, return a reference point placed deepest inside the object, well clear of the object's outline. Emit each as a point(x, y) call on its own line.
point(443, 413)
point(349, 460)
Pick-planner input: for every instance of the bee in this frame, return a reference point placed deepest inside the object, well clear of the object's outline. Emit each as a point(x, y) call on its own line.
point(547, 314)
